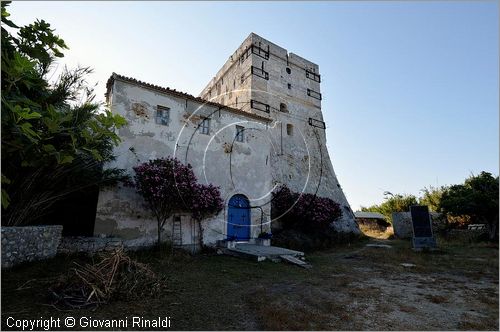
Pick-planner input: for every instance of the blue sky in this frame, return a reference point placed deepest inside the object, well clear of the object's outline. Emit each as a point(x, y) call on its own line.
point(410, 89)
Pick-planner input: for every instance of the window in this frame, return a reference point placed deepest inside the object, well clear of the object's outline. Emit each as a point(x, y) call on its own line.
point(162, 115)
point(205, 126)
point(313, 76)
point(239, 133)
point(314, 94)
point(288, 70)
point(289, 129)
point(283, 108)
point(259, 106)
point(289, 86)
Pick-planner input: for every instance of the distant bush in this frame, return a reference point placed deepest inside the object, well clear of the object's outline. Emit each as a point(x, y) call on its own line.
point(393, 203)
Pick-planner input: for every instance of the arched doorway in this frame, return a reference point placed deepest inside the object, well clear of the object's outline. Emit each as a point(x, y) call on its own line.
point(238, 218)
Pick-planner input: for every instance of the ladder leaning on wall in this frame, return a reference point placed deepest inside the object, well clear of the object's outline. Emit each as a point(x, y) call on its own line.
point(176, 232)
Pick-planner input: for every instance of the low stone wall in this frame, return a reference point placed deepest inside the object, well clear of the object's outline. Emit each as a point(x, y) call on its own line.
point(90, 245)
point(401, 222)
point(29, 243)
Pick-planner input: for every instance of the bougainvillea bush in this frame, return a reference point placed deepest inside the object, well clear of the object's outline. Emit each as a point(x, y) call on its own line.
point(305, 212)
point(169, 186)
point(305, 220)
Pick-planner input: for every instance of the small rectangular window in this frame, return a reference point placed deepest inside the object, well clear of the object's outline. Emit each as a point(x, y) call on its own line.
point(205, 126)
point(239, 133)
point(314, 94)
point(162, 115)
point(289, 129)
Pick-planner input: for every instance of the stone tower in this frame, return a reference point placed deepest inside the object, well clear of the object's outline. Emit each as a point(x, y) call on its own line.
point(264, 79)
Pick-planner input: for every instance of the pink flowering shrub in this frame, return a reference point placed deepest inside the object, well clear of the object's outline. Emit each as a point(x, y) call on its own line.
point(169, 186)
point(304, 212)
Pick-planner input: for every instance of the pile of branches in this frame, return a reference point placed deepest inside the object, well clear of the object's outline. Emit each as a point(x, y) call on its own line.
point(115, 276)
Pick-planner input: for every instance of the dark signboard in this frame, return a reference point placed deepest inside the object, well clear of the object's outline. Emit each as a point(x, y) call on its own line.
point(422, 227)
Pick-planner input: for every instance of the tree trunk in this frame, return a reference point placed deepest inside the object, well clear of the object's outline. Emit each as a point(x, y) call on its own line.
point(200, 236)
point(159, 232)
point(492, 230)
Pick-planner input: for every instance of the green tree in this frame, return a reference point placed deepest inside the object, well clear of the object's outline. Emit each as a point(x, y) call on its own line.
point(477, 198)
point(431, 196)
point(393, 203)
point(55, 137)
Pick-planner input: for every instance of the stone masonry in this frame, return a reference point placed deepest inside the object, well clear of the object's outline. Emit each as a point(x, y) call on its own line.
point(271, 96)
point(29, 243)
point(263, 78)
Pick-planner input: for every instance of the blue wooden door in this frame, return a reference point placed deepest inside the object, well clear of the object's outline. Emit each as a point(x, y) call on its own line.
point(238, 218)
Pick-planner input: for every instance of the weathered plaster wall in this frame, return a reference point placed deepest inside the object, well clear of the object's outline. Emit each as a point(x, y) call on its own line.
point(244, 169)
point(231, 85)
point(402, 224)
point(29, 243)
point(299, 157)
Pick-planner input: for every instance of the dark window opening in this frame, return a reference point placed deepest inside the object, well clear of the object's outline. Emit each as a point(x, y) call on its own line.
point(283, 108)
point(289, 129)
point(260, 72)
point(259, 106)
point(288, 70)
point(205, 126)
point(162, 115)
point(289, 86)
point(239, 133)
point(314, 94)
point(317, 123)
point(257, 50)
point(313, 76)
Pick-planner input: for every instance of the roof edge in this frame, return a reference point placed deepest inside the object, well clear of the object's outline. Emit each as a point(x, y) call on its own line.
point(114, 76)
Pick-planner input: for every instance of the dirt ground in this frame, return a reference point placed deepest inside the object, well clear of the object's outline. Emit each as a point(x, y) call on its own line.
point(354, 287)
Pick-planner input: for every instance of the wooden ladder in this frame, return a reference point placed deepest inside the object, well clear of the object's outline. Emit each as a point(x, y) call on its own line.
point(176, 232)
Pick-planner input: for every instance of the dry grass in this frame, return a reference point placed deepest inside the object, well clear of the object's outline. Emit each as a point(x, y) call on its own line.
point(377, 233)
point(349, 288)
point(437, 299)
point(407, 308)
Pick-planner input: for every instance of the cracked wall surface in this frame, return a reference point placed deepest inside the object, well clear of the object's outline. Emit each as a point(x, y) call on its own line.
point(242, 169)
point(299, 156)
point(273, 94)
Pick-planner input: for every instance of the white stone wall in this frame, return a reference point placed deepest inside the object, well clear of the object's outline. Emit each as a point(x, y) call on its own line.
point(299, 156)
point(244, 169)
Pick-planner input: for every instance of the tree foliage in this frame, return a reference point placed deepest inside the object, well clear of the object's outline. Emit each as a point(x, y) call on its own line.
point(393, 203)
point(55, 137)
point(431, 196)
point(477, 198)
point(169, 186)
point(304, 212)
